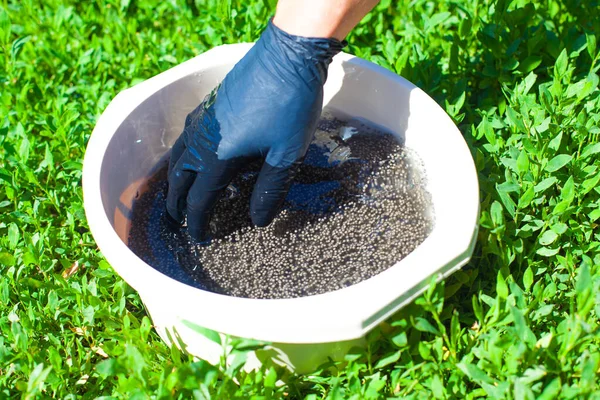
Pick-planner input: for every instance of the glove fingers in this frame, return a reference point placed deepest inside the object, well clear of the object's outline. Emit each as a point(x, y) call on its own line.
point(203, 195)
point(180, 181)
point(176, 153)
point(270, 192)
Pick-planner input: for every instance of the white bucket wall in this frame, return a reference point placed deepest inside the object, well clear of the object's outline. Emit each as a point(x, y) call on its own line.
point(137, 130)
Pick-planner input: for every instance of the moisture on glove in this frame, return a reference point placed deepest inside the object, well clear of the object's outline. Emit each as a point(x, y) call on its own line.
point(268, 107)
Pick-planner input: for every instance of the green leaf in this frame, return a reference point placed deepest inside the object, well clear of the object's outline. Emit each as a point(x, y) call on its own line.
point(554, 144)
point(29, 258)
point(591, 44)
point(375, 383)
point(5, 176)
point(543, 126)
point(588, 373)
point(207, 333)
point(562, 63)
point(584, 289)
point(245, 345)
point(474, 372)
point(508, 203)
point(5, 27)
point(507, 187)
point(48, 161)
point(391, 359)
point(7, 259)
point(224, 9)
point(589, 86)
point(436, 19)
point(546, 339)
point(545, 184)
point(88, 314)
point(437, 387)
point(589, 184)
point(270, 4)
point(17, 46)
point(400, 340)
point(522, 330)
point(574, 89)
point(169, 58)
point(548, 237)
point(135, 359)
point(522, 162)
point(488, 131)
point(501, 287)
point(72, 165)
point(390, 46)
point(13, 235)
point(106, 368)
point(558, 162)
point(528, 83)
point(510, 65)
point(477, 309)
point(528, 278)
point(24, 149)
point(239, 360)
point(271, 378)
point(590, 150)
point(547, 252)
point(549, 291)
point(497, 214)
point(125, 4)
point(526, 198)
point(561, 207)
point(37, 378)
point(464, 27)
point(424, 350)
point(460, 102)
point(533, 374)
point(567, 193)
point(530, 63)
point(509, 163)
point(425, 326)
point(401, 62)
point(551, 391)
point(515, 119)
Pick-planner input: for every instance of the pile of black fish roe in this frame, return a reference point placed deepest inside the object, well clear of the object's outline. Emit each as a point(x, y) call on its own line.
point(358, 205)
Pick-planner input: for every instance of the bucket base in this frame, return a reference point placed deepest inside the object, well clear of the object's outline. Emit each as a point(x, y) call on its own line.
point(299, 358)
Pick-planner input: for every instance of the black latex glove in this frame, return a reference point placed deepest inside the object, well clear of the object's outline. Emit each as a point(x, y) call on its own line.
point(267, 106)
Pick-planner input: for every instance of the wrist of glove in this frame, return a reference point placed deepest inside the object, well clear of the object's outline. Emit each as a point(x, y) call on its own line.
point(266, 107)
point(306, 56)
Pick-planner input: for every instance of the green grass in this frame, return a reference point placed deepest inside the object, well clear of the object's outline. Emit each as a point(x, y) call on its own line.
point(520, 321)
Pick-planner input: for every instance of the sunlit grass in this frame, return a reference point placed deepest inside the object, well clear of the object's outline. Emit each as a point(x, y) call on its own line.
point(520, 321)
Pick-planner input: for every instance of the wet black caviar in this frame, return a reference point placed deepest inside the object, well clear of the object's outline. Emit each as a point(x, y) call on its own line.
point(358, 205)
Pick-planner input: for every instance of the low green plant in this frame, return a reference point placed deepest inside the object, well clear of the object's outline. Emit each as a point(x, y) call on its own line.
point(521, 321)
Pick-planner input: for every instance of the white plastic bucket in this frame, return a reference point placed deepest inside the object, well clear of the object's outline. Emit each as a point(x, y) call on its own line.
point(138, 128)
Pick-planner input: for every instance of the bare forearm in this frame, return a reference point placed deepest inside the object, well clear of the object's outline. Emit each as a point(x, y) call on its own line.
point(321, 18)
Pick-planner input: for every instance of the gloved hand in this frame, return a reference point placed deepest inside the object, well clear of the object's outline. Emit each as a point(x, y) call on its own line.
point(267, 106)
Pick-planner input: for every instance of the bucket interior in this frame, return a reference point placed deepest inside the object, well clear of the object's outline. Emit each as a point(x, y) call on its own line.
point(142, 142)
